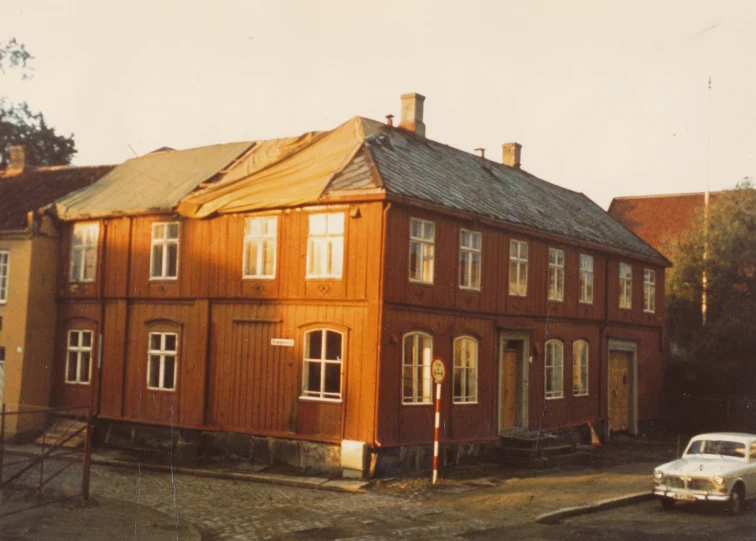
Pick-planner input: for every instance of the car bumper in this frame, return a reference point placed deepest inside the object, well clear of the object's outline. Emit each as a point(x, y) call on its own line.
point(686, 495)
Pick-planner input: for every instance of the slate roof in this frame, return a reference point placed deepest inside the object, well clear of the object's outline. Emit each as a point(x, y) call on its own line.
point(37, 187)
point(660, 220)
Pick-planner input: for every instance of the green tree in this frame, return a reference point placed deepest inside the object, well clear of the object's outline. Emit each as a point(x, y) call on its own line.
point(19, 125)
point(720, 353)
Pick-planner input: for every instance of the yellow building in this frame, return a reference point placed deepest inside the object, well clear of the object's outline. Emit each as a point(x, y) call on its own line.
point(28, 270)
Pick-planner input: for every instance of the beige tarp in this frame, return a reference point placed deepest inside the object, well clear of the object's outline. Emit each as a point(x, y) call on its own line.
point(282, 172)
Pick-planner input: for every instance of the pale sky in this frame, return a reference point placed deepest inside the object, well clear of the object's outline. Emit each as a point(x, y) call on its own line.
point(607, 98)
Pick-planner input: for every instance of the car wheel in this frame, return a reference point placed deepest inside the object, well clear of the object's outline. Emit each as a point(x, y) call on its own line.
point(667, 503)
point(737, 500)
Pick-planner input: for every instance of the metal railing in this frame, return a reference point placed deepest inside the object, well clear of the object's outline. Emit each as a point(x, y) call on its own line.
point(54, 457)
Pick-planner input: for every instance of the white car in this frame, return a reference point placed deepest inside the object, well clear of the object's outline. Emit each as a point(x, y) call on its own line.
point(718, 467)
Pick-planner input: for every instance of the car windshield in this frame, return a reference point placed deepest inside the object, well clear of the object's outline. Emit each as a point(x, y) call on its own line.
point(717, 447)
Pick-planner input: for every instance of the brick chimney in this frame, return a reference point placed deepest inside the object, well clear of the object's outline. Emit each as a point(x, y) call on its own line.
point(511, 154)
point(16, 159)
point(412, 113)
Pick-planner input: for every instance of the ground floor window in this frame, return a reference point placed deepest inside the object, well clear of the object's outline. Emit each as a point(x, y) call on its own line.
point(416, 362)
point(323, 359)
point(79, 357)
point(465, 370)
point(162, 357)
point(580, 368)
point(554, 369)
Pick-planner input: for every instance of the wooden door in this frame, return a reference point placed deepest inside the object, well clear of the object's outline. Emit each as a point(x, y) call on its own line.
point(508, 395)
point(619, 389)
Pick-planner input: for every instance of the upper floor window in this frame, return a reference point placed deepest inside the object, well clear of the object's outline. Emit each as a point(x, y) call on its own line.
point(465, 370)
point(79, 357)
point(518, 268)
point(554, 369)
point(84, 252)
point(165, 249)
point(260, 235)
point(416, 363)
point(4, 271)
point(556, 274)
point(323, 358)
point(161, 361)
point(325, 245)
point(586, 279)
point(469, 259)
point(625, 286)
point(649, 290)
point(579, 368)
point(422, 250)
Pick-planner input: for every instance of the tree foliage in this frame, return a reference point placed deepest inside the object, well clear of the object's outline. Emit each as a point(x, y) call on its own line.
point(19, 125)
point(720, 353)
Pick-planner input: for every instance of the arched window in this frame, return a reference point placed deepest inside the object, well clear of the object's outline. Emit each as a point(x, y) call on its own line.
point(465, 370)
point(323, 359)
point(553, 369)
point(416, 376)
point(580, 368)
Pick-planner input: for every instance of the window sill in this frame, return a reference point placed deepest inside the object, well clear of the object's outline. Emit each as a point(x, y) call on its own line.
point(317, 399)
point(644, 311)
point(324, 278)
point(465, 403)
point(163, 279)
point(414, 404)
point(586, 303)
point(75, 282)
point(159, 390)
point(518, 295)
point(555, 397)
point(79, 383)
point(584, 395)
point(555, 300)
point(470, 289)
point(420, 282)
point(261, 278)
point(625, 307)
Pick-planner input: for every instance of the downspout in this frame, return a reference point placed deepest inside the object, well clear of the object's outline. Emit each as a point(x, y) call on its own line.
point(126, 318)
point(100, 299)
point(384, 227)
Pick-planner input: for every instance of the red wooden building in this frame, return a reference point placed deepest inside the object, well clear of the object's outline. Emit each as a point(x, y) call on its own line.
point(295, 291)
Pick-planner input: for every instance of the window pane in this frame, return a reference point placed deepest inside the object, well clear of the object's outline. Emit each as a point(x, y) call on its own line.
point(169, 374)
point(155, 342)
point(312, 376)
point(513, 278)
point(333, 378)
point(415, 228)
point(86, 339)
point(458, 383)
point(314, 345)
point(84, 366)
point(414, 262)
point(407, 383)
point(170, 342)
point(464, 278)
point(337, 256)
point(90, 263)
point(172, 260)
point(154, 371)
point(464, 239)
point(269, 258)
point(317, 224)
point(429, 230)
point(250, 257)
point(476, 241)
point(336, 224)
point(76, 264)
point(333, 345)
point(73, 338)
point(157, 261)
point(72, 364)
point(158, 231)
point(428, 262)
point(523, 250)
point(253, 227)
point(475, 271)
point(172, 230)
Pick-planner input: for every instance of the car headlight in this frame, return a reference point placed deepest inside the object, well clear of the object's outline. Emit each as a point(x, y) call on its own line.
point(658, 475)
point(719, 480)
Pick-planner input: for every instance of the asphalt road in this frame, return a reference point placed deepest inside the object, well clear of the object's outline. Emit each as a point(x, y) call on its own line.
point(645, 521)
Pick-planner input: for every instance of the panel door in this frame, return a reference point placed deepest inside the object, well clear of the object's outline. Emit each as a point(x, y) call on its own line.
point(508, 386)
point(619, 389)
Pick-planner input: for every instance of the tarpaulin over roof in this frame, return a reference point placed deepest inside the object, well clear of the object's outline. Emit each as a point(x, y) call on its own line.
point(148, 183)
point(282, 172)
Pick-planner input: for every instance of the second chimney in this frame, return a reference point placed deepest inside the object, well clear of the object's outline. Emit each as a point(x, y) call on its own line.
point(511, 154)
point(16, 159)
point(412, 113)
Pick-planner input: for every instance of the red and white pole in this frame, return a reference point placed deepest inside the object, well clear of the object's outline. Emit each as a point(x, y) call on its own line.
point(435, 433)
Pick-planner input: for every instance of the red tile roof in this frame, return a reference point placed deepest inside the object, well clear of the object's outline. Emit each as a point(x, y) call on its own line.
point(660, 220)
point(37, 187)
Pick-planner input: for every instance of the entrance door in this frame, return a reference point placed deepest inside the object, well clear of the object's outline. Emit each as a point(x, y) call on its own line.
point(508, 385)
point(619, 389)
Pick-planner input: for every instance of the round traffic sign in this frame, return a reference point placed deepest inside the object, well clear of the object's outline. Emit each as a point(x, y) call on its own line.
point(438, 371)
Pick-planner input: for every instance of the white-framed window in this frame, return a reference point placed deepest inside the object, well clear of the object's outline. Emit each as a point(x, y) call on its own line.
point(649, 290)
point(416, 363)
point(84, 252)
point(625, 286)
point(586, 279)
point(554, 369)
point(79, 357)
point(470, 247)
point(465, 370)
point(325, 245)
point(323, 360)
point(422, 250)
point(4, 273)
point(164, 251)
point(580, 368)
point(162, 360)
point(556, 274)
point(260, 236)
point(518, 268)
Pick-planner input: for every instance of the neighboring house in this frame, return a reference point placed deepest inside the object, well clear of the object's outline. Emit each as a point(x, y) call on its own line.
point(660, 220)
point(28, 274)
point(296, 291)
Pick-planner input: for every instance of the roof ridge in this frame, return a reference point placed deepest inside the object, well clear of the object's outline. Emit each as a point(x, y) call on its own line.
point(662, 195)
